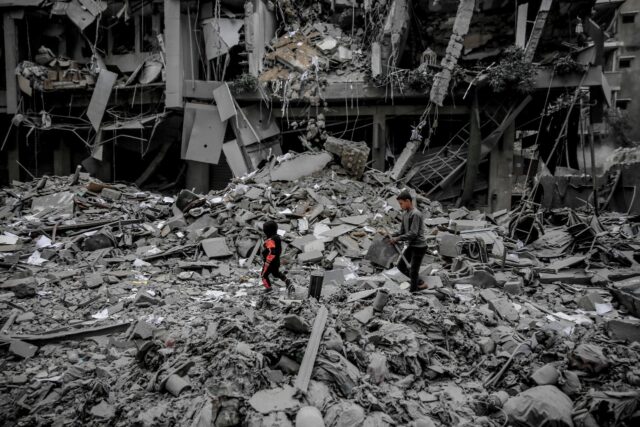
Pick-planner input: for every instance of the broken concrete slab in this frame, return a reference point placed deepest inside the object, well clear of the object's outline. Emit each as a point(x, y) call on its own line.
point(278, 399)
point(505, 309)
point(60, 203)
point(365, 315)
point(216, 247)
point(624, 329)
point(310, 257)
point(382, 253)
point(22, 348)
point(300, 166)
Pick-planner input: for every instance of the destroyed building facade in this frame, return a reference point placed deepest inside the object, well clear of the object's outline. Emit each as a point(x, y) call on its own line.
point(469, 101)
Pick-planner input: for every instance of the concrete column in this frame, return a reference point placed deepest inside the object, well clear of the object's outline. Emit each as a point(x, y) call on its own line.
point(379, 145)
point(173, 47)
point(501, 171)
point(62, 158)
point(13, 157)
point(473, 155)
point(197, 176)
point(10, 61)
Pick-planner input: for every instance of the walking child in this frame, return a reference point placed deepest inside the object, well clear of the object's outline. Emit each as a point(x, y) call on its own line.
point(272, 249)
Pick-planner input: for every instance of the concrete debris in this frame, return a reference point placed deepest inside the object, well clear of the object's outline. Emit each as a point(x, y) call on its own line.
point(539, 406)
point(165, 292)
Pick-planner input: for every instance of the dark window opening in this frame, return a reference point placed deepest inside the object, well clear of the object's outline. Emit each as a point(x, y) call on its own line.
point(625, 62)
point(623, 104)
point(628, 18)
point(123, 35)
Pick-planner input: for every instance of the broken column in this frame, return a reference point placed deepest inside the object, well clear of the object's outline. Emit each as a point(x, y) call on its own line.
point(454, 49)
point(353, 155)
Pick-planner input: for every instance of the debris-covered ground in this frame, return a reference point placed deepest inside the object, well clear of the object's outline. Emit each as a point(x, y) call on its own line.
point(122, 307)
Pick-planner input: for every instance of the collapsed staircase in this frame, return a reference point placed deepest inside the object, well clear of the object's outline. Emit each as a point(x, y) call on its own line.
point(443, 167)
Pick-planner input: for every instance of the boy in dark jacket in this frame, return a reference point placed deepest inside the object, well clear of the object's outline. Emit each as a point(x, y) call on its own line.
point(271, 251)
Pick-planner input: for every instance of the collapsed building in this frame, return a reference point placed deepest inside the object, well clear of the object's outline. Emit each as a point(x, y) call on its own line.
point(146, 142)
point(468, 101)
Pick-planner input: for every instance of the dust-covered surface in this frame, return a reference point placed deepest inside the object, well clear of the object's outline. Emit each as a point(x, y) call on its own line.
point(113, 314)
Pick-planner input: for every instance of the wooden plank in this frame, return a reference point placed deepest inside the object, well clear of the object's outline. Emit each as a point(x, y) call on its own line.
point(309, 359)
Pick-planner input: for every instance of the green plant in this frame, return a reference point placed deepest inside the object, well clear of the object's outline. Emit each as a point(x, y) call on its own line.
point(619, 126)
point(567, 65)
point(512, 73)
point(245, 83)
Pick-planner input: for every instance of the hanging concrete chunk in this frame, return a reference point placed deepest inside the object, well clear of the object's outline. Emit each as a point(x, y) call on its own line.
point(207, 136)
point(454, 49)
point(100, 97)
point(224, 101)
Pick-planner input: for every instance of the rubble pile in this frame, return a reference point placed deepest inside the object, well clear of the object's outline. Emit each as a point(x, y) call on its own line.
point(120, 307)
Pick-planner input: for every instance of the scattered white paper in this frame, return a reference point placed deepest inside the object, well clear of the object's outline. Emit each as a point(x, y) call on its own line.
point(154, 319)
point(603, 308)
point(214, 294)
point(303, 225)
point(90, 233)
point(281, 233)
point(319, 229)
point(168, 199)
point(36, 259)
point(43, 242)
point(140, 263)
point(101, 315)
point(180, 234)
point(286, 212)
point(8, 238)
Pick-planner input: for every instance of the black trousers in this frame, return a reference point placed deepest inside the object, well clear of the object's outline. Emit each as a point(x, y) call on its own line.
point(272, 269)
point(413, 256)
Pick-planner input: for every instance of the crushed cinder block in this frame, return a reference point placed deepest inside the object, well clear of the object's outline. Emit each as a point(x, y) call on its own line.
point(514, 287)
point(111, 194)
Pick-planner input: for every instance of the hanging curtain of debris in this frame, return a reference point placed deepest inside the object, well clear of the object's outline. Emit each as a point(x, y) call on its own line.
point(53, 84)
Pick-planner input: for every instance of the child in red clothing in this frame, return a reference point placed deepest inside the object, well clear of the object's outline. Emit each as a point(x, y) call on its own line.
point(272, 249)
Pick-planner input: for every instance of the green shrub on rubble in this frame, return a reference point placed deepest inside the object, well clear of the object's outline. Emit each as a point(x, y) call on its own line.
point(512, 73)
point(567, 65)
point(245, 83)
